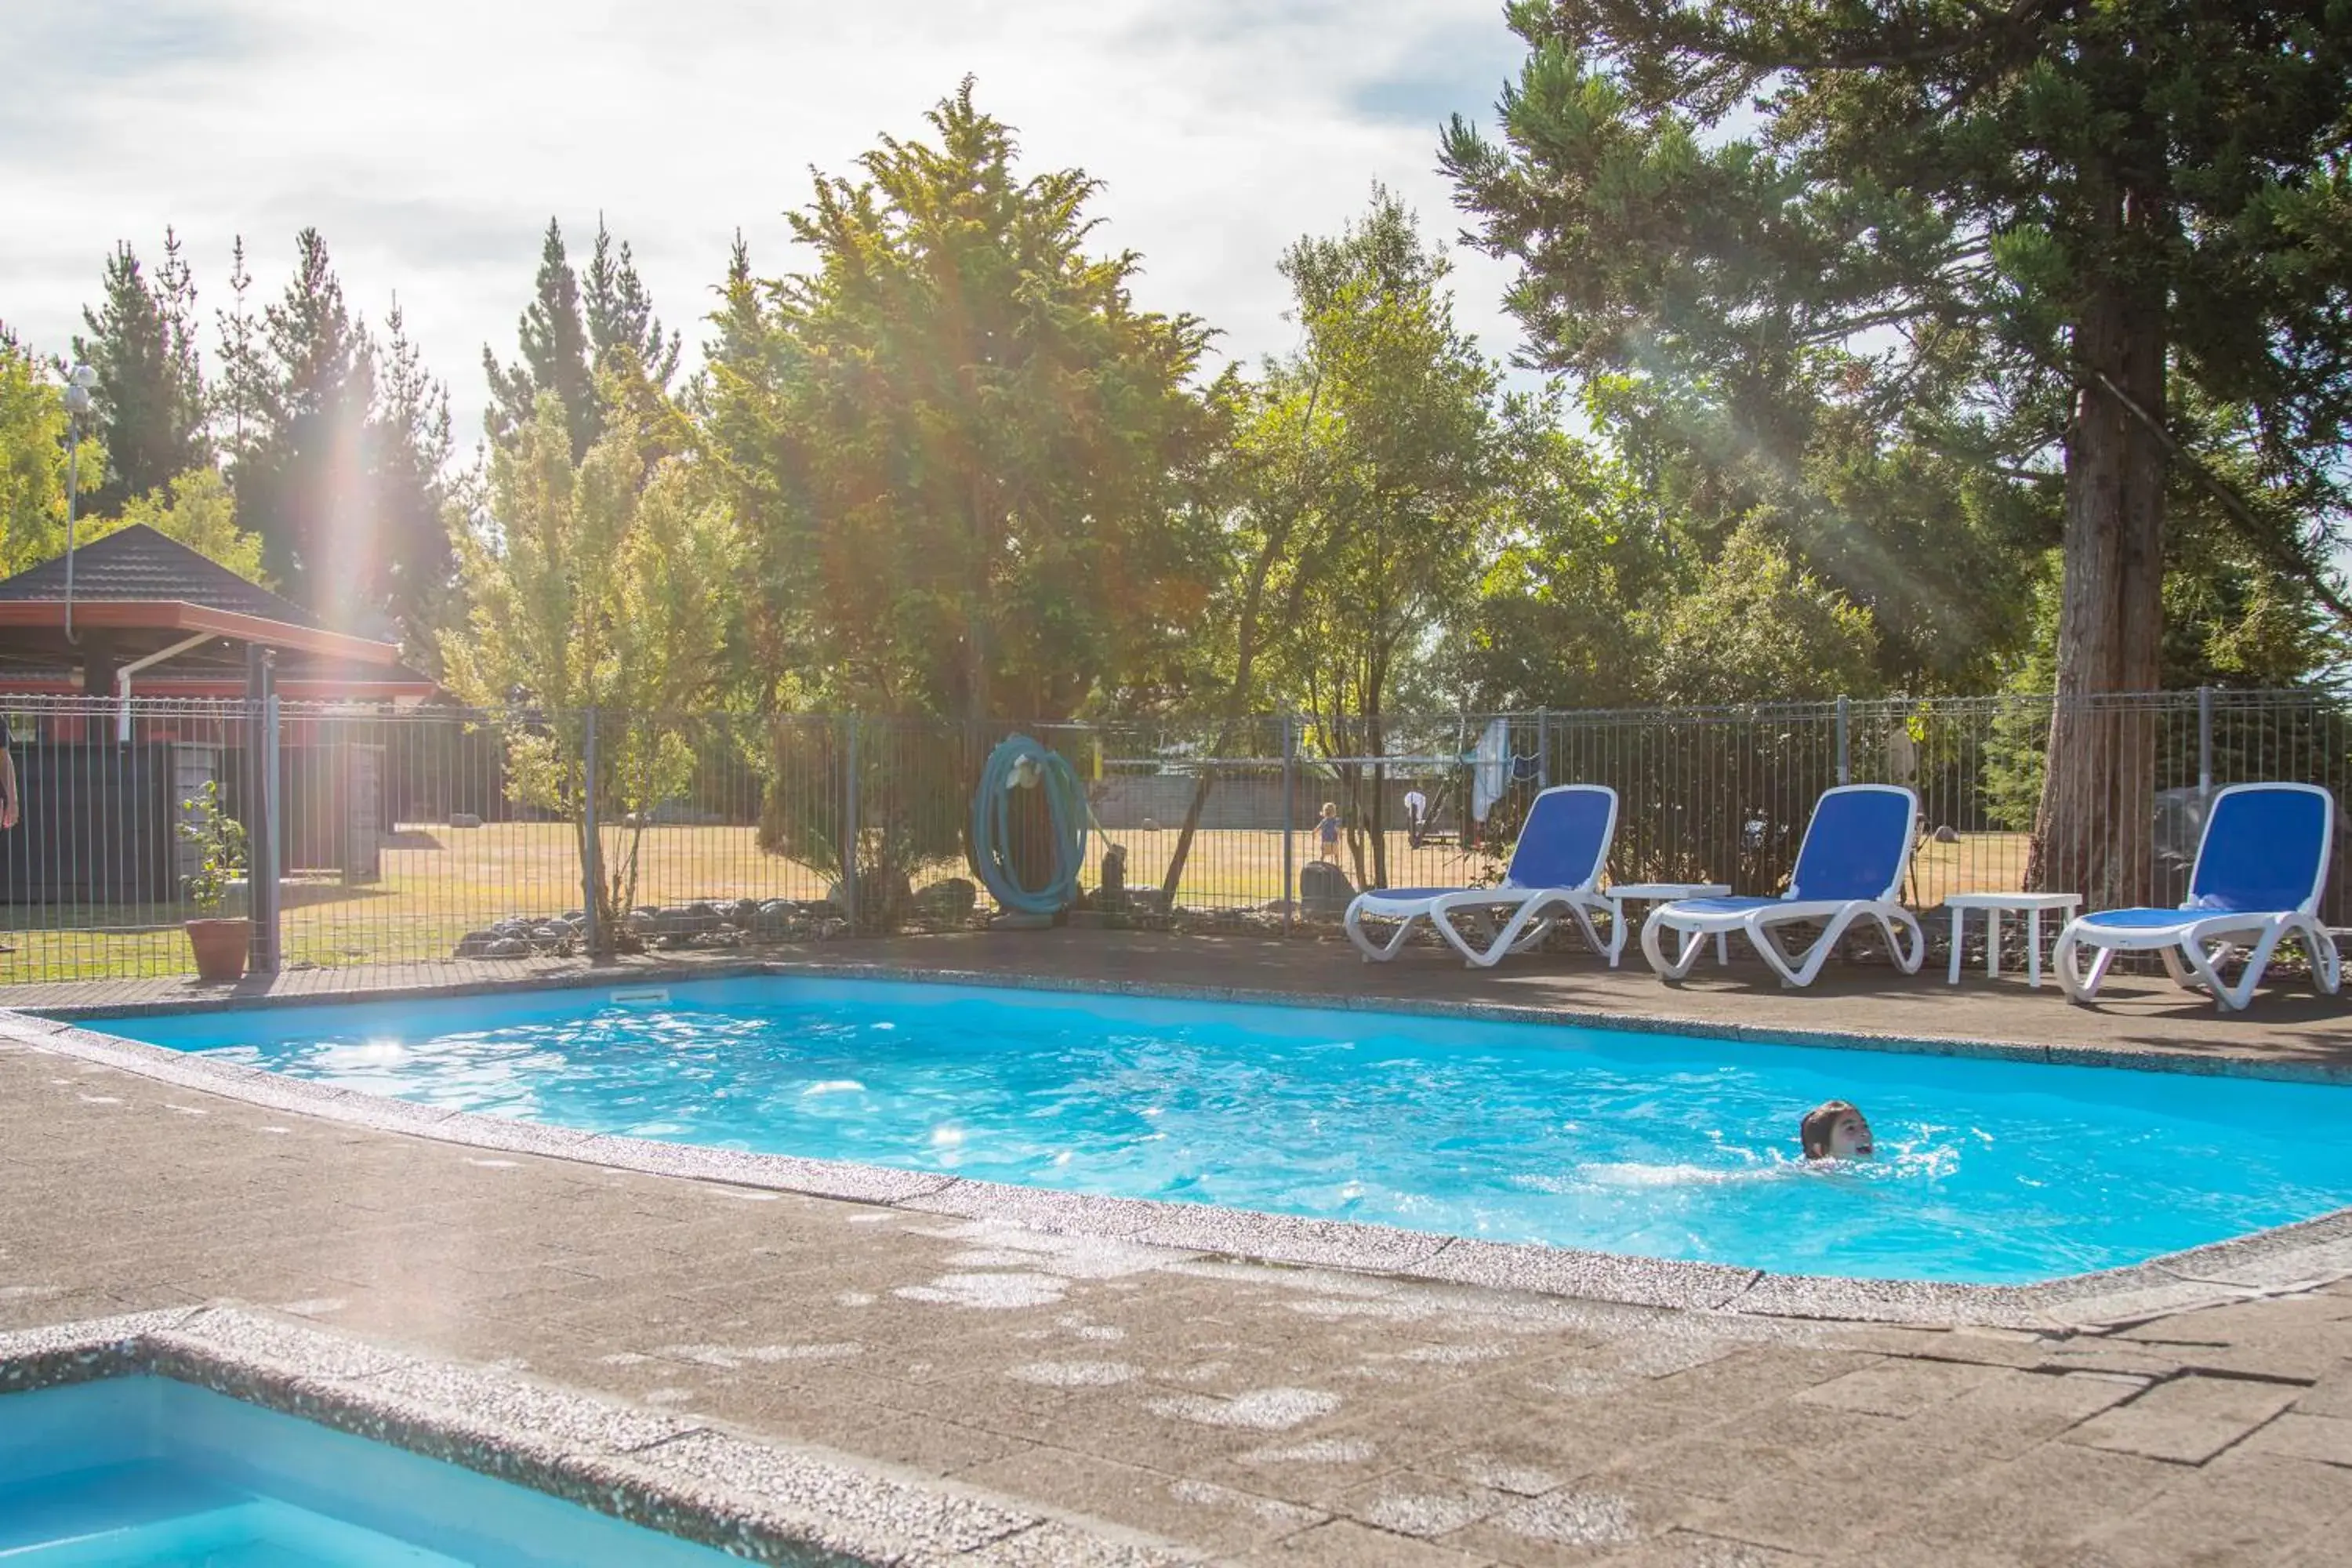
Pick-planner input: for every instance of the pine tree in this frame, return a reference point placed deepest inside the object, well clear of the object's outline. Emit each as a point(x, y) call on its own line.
point(568, 334)
point(621, 312)
point(339, 465)
point(554, 344)
point(409, 446)
point(150, 393)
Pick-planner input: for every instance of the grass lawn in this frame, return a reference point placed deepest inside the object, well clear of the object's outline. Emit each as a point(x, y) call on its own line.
point(440, 882)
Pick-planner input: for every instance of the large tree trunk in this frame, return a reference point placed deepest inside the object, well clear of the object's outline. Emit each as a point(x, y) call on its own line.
point(2094, 832)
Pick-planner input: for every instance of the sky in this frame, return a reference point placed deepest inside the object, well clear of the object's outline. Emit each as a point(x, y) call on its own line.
point(431, 140)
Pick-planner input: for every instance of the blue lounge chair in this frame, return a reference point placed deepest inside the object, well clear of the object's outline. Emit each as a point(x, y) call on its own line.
point(1555, 870)
point(2260, 868)
point(1849, 867)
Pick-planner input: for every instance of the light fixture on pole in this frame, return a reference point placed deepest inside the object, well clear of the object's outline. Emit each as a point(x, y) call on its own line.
point(80, 383)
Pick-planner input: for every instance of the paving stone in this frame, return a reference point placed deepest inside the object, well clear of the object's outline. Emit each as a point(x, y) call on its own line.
point(2030, 1510)
point(1343, 1543)
point(1839, 1493)
point(1225, 1520)
point(1409, 1503)
point(2187, 1420)
point(2245, 1508)
point(2326, 1440)
point(1689, 1549)
point(2017, 1410)
point(1897, 1387)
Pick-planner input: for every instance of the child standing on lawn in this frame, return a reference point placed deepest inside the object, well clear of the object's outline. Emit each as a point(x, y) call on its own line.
point(1327, 833)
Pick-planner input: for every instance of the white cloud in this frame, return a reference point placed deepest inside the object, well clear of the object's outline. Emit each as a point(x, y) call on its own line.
point(430, 140)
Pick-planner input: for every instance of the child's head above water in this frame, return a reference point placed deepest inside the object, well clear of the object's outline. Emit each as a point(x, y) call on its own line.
point(1835, 1130)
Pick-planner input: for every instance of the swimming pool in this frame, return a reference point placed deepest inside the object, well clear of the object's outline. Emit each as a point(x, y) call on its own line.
point(1990, 1171)
point(146, 1472)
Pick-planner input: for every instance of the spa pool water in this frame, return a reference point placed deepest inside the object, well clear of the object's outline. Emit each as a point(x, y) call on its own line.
point(144, 1472)
point(1989, 1171)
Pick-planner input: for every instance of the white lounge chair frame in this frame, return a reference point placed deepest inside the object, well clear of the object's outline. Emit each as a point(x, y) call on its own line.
point(2194, 948)
point(1532, 910)
point(1759, 922)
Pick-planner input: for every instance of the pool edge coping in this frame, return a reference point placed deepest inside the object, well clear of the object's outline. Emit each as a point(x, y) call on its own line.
point(2298, 1256)
point(747, 1494)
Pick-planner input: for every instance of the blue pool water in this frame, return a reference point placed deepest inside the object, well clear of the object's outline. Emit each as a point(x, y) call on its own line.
point(143, 1472)
point(1989, 1171)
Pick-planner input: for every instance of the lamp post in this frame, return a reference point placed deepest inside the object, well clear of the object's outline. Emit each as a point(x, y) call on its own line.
point(80, 383)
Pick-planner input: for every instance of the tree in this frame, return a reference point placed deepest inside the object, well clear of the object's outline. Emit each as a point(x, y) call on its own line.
point(150, 393)
point(33, 462)
point(1402, 486)
point(566, 338)
point(597, 585)
point(338, 464)
point(2067, 215)
point(1755, 625)
point(962, 453)
point(197, 509)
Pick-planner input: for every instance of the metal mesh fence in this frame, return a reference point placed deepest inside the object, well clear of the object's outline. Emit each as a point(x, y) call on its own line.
point(432, 833)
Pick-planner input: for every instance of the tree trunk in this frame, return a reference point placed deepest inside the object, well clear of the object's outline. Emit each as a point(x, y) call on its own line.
point(2094, 832)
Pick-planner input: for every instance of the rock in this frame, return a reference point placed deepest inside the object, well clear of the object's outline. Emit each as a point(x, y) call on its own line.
point(952, 899)
point(1947, 834)
point(703, 909)
point(1151, 825)
point(475, 944)
point(1278, 906)
point(510, 928)
point(1324, 890)
point(508, 947)
point(576, 917)
point(553, 931)
point(744, 912)
point(639, 923)
point(464, 819)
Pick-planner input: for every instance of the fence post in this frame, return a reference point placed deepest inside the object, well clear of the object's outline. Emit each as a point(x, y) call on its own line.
point(268, 948)
point(592, 842)
point(1845, 755)
point(1543, 749)
point(1289, 821)
point(849, 822)
point(2204, 740)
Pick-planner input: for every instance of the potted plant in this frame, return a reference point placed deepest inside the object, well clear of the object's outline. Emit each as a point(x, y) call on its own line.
point(220, 941)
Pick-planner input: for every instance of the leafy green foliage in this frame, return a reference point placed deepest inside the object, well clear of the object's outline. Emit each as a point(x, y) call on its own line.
point(962, 453)
point(197, 510)
point(33, 462)
point(219, 841)
point(600, 585)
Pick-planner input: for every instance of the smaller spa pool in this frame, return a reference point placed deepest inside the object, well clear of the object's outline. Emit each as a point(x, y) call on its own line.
point(144, 1472)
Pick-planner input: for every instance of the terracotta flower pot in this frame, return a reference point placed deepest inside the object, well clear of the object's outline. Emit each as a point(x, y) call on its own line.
point(221, 946)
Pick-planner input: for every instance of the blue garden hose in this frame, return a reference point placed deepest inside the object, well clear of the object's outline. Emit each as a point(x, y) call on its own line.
point(1065, 797)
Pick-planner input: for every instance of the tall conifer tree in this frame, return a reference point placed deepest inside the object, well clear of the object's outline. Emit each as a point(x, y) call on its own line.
point(151, 394)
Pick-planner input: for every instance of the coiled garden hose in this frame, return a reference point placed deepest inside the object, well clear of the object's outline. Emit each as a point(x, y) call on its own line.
point(1066, 799)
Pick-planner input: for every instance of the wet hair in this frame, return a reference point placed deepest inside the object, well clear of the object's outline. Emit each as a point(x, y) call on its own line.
point(1814, 1130)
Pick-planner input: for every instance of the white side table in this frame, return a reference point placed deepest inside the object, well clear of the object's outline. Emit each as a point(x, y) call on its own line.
point(1620, 894)
point(1995, 905)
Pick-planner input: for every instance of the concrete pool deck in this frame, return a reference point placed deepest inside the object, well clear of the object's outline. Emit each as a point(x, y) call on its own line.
point(1246, 1411)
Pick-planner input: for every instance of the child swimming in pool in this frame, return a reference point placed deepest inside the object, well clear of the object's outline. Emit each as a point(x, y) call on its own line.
point(1834, 1129)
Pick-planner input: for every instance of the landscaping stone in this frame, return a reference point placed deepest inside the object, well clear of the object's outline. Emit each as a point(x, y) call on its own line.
point(464, 819)
point(508, 947)
point(1324, 890)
